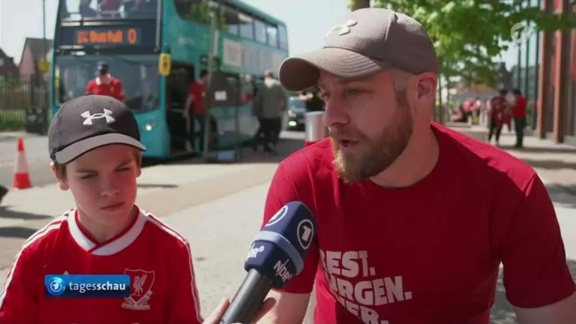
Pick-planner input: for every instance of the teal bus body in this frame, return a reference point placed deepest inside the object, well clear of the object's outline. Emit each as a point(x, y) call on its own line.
point(188, 42)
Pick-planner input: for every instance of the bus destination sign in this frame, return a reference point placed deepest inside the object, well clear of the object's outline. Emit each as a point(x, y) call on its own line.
point(108, 36)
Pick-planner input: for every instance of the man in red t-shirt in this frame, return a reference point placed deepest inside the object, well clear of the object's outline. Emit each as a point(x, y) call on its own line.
point(413, 218)
point(195, 104)
point(498, 109)
point(519, 114)
point(105, 83)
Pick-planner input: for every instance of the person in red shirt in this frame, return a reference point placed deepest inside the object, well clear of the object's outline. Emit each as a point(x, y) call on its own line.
point(519, 114)
point(105, 83)
point(498, 110)
point(95, 147)
point(194, 108)
point(413, 218)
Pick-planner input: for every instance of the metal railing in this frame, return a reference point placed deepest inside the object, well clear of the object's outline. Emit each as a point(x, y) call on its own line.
point(23, 103)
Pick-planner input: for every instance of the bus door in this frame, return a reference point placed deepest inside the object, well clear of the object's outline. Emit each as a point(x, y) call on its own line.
point(177, 88)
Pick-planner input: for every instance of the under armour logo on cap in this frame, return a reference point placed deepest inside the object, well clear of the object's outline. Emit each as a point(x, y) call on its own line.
point(344, 28)
point(88, 118)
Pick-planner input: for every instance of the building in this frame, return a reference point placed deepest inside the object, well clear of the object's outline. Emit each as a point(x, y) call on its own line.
point(34, 51)
point(546, 75)
point(8, 68)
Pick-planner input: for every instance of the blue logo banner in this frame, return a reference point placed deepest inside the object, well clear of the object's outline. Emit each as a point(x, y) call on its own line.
point(92, 286)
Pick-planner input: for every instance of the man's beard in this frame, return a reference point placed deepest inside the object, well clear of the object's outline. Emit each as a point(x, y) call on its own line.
point(374, 155)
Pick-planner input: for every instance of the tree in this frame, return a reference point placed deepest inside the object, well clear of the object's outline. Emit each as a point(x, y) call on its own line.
point(358, 4)
point(468, 34)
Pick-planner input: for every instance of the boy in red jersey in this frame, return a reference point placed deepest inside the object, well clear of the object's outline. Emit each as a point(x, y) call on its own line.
point(94, 143)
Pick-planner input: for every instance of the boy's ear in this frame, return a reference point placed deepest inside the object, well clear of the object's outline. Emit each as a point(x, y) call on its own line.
point(62, 183)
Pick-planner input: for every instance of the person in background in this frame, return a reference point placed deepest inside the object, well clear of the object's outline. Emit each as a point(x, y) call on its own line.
point(519, 114)
point(195, 104)
point(498, 107)
point(105, 84)
point(270, 103)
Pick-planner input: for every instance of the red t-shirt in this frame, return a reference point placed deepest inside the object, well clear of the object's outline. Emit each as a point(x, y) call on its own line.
point(113, 89)
point(198, 90)
point(148, 245)
point(429, 253)
point(520, 109)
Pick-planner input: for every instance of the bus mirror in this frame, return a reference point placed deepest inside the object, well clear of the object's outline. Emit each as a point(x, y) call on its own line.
point(164, 64)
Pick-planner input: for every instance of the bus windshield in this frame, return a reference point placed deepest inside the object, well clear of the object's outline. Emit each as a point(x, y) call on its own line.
point(137, 73)
point(108, 9)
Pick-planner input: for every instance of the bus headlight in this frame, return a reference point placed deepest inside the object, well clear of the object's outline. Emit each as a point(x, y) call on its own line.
point(148, 127)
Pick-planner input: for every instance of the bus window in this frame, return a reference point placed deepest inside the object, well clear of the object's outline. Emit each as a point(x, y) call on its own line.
point(246, 26)
point(272, 32)
point(230, 19)
point(282, 37)
point(260, 31)
point(90, 9)
point(138, 74)
point(196, 10)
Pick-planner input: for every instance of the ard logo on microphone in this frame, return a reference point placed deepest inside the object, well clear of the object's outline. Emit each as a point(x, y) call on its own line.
point(305, 233)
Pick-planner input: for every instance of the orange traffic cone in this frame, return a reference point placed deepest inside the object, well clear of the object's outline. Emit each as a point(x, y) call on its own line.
point(21, 176)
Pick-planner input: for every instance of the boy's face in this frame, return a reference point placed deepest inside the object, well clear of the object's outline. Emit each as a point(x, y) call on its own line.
point(103, 182)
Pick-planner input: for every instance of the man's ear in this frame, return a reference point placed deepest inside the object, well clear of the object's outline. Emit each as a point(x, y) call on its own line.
point(427, 84)
point(62, 183)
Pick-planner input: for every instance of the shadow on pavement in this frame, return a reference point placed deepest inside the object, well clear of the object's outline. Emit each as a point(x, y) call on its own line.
point(6, 213)
point(541, 150)
point(502, 311)
point(16, 232)
point(285, 147)
point(562, 194)
point(550, 164)
point(154, 185)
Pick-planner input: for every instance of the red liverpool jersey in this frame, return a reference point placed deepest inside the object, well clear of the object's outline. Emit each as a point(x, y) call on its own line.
point(153, 254)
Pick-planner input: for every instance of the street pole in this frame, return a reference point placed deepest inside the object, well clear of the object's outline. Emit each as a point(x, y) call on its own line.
point(44, 28)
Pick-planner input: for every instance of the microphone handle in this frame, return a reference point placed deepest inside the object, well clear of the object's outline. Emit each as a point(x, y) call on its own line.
point(248, 299)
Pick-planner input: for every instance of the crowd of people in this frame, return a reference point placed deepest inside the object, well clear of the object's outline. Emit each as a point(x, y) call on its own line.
point(504, 109)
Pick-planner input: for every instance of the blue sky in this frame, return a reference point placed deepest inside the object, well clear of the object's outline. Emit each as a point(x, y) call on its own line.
point(307, 21)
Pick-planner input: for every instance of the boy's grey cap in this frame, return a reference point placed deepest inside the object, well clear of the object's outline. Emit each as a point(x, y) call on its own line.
point(88, 122)
point(370, 40)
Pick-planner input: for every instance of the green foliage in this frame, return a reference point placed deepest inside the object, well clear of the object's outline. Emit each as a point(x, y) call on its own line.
point(203, 12)
point(469, 34)
point(11, 120)
point(358, 4)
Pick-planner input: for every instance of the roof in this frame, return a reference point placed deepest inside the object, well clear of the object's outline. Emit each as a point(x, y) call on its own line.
point(36, 46)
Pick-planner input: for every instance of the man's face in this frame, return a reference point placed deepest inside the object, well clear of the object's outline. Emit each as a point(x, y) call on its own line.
point(370, 122)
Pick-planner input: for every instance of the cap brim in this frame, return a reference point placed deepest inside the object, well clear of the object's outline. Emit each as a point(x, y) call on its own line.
point(302, 72)
point(75, 150)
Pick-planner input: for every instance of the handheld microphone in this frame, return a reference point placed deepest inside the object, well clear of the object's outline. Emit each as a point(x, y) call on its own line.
point(276, 255)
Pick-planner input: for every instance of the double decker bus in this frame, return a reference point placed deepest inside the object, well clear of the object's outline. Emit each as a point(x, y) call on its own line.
point(134, 37)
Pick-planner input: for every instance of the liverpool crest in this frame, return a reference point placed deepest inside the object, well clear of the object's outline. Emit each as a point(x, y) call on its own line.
point(141, 282)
